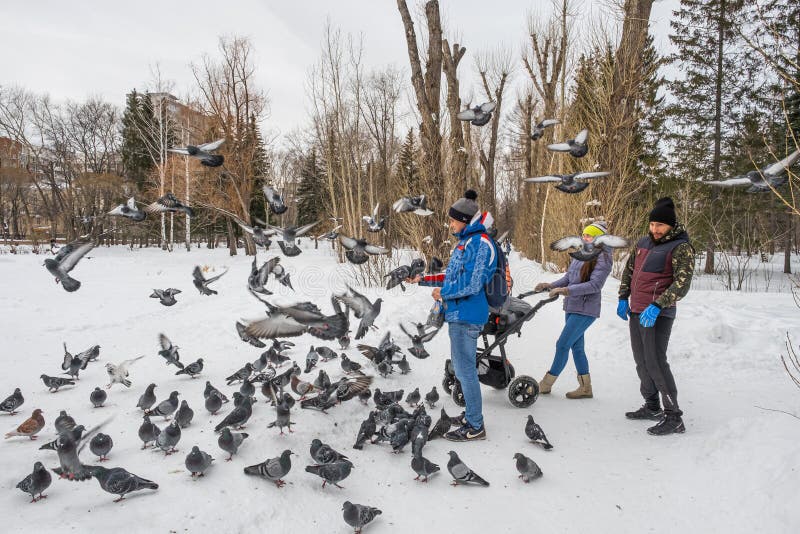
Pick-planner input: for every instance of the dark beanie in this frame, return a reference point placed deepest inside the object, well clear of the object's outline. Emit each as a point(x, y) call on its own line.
point(664, 212)
point(465, 208)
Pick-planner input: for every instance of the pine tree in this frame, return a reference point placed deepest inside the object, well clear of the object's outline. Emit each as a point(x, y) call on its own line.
point(310, 191)
point(137, 125)
point(407, 168)
point(260, 170)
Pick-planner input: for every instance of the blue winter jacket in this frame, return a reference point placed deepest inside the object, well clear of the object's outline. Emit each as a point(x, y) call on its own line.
point(584, 297)
point(472, 263)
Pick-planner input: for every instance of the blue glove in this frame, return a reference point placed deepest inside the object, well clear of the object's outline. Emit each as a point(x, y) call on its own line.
point(648, 317)
point(623, 310)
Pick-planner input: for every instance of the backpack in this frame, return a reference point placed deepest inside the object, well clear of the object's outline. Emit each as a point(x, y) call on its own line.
point(499, 284)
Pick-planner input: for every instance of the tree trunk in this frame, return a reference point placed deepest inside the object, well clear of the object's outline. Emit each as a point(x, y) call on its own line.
point(231, 237)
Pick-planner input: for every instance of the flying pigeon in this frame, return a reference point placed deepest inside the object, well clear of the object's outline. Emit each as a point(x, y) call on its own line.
point(241, 329)
point(68, 447)
point(424, 334)
point(528, 469)
point(536, 434)
point(461, 473)
point(169, 203)
point(479, 115)
point(65, 260)
point(275, 200)
point(203, 153)
point(357, 515)
point(202, 283)
point(165, 296)
point(538, 130)
point(35, 483)
point(764, 179)
point(129, 211)
point(412, 204)
point(231, 441)
point(289, 234)
point(577, 147)
point(362, 308)
point(273, 469)
point(53, 383)
point(568, 183)
point(197, 462)
point(587, 251)
point(118, 374)
point(373, 224)
point(169, 351)
point(118, 481)
point(397, 276)
point(30, 427)
point(358, 249)
point(331, 235)
point(12, 402)
point(73, 365)
point(298, 319)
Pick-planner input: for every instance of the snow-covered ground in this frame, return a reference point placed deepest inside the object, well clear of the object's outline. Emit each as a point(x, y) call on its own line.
point(737, 468)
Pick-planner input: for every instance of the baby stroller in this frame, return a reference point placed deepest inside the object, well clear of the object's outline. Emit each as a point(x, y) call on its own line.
point(494, 369)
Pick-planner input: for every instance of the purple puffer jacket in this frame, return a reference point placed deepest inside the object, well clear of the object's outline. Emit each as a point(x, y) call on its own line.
point(584, 297)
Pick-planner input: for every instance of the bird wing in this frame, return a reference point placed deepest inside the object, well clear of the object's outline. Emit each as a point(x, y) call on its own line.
point(75, 255)
point(213, 145)
point(612, 241)
point(503, 236)
point(367, 219)
point(543, 179)
point(276, 325)
point(197, 274)
point(303, 229)
point(559, 147)
point(209, 280)
point(348, 242)
point(429, 335)
point(466, 115)
point(179, 151)
point(582, 136)
point(67, 359)
point(782, 165)
point(548, 122)
point(566, 243)
point(164, 341)
point(375, 210)
point(373, 249)
point(357, 302)
point(125, 363)
point(731, 182)
point(588, 175)
point(267, 268)
point(132, 204)
point(406, 332)
point(488, 107)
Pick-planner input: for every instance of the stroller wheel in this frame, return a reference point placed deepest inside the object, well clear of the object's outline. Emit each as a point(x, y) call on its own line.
point(523, 391)
point(458, 395)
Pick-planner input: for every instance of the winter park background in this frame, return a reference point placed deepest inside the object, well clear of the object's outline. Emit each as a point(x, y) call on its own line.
point(340, 116)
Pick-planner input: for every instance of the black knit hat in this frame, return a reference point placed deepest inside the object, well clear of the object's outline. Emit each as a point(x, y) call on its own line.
point(664, 212)
point(465, 208)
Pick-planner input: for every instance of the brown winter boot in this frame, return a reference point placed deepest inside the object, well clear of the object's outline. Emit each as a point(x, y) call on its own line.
point(584, 390)
point(547, 384)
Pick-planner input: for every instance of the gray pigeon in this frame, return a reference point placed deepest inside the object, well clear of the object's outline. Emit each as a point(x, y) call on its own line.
point(432, 397)
point(323, 453)
point(283, 419)
point(148, 398)
point(202, 283)
point(298, 319)
point(273, 469)
point(241, 374)
point(184, 414)
point(403, 365)
point(441, 427)
point(168, 438)
point(118, 481)
point(538, 130)
point(423, 335)
point(193, 369)
point(536, 434)
point(197, 462)
point(53, 383)
point(358, 516)
point(231, 441)
point(358, 250)
point(311, 359)
point(569, 183)
point(35, 483)
point(527, 468)
point(65, 260)
point(362, 308)
point(203, 153)
point(259, 276)
point(373, 224)
point(479, 115)
point(169, 351)
point(331, 473)
point(423, 467)
point(68, 447)
point(764, 179)
point(169, 203)
point(587, 251)
point(247, 388)
point(209, 389)
point(349, 366)
point(414, 397)
point(261, 236)
point(399, 437)
point(64, 422)
point(12, 402)
point(577, 147)
point(101, 445)
point(366, 431)
point(326, 353)
point(289, 236)
point(322, 381)
point(238, 417)
point(165, 296)
point(97, 397)
point(166, 407)
point(148, 432)
point(274, 200)
point(461, 473)
point(129, 211)
point(73, 365)
point(213, 403)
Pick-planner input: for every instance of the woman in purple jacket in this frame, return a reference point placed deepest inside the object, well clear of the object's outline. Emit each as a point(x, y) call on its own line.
point(581, 287)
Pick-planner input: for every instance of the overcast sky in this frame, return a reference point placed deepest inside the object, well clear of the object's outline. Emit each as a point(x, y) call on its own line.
point(73, 50)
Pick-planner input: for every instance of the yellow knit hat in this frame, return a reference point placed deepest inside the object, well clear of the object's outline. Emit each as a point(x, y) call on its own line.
point(596, 229)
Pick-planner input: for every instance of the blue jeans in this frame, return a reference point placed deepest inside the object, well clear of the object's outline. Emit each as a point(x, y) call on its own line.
point(572, 338)
point(463, 351)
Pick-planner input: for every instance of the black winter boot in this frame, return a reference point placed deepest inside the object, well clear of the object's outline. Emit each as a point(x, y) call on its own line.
point(652, 413)
point(671, 424)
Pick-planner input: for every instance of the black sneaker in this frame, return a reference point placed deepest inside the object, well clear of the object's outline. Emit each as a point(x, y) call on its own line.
point(646, 412)
point(466, 433)
point(671, 424)
point(459, 420)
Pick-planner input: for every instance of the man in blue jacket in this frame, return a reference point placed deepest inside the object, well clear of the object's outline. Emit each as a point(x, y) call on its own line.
point(462, 292)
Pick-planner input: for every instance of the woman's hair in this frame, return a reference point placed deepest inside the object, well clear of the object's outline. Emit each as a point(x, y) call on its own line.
point(587, 268)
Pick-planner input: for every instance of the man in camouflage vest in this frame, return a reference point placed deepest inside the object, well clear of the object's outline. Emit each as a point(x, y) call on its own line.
point(657, 275)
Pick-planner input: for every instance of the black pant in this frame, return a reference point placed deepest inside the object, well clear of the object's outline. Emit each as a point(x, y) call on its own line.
point(649, 347)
